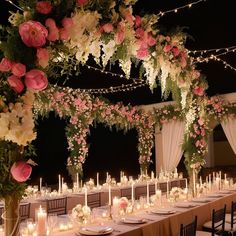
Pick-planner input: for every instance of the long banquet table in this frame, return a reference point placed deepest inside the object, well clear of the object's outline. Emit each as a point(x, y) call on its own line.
point(163, 225)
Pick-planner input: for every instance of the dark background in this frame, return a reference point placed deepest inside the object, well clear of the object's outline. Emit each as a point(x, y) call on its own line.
point(210, 24)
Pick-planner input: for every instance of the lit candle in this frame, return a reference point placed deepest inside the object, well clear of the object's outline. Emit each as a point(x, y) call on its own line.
point(42, 218)
point(155, 185)
point(40, 184)
point(85, 196)
point(132, 193)
point(120, 176)
point(62, 182)
point(167, 189)
point(148, 192)
point(59, 184)
point(77, 180)
point(30, 228)
point(107, 176)
point(152, 175)
point(200, 180)
point(225, 177)
point(109, 195)
point(97, 179)
point(220, 181)
point(186, 183)
point(194, 183)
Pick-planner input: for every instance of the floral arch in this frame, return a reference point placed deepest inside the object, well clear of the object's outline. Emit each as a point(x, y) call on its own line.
point(82, 110)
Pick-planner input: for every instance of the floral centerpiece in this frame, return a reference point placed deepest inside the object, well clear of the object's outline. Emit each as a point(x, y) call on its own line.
point(81, 214)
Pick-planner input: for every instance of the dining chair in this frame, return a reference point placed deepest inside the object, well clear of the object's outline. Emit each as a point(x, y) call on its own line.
point(189, 229)
point(24, 211)
point(57, 206)
point(230, 219)
point(217, 224)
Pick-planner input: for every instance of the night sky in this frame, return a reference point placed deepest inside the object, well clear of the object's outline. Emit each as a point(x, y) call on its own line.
point(210, 24)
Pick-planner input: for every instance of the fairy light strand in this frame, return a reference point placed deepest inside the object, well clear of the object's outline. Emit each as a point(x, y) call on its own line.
point(175, 10)
point(205, 51)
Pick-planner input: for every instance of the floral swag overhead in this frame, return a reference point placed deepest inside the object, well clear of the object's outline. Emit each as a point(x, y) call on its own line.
point(52, 38)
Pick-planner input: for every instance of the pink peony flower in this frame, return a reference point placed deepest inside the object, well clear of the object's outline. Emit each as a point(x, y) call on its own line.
point(43, 7)
point(200, 121)
point(138, 21)
point(123, 203)
point(43, 57)
point(5, 65)
point(18, 69)
point(21, 171)
point(199, 91)
point(82, 3)
point(150, 40)
point(15, 83)
point(33, 33)
point(107, 28)
point(36, 80)
point(53, 34)
point(167, 48)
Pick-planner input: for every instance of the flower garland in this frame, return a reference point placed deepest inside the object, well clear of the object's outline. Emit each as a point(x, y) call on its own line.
point(83, 110)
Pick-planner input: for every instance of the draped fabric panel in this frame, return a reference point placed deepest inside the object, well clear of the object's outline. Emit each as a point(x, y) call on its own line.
point(229, 127)
point(172, 139)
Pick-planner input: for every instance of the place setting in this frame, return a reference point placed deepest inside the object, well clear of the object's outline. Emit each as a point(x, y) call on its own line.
point(95, 230)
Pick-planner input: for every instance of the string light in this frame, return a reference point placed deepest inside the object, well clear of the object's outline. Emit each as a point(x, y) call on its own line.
point(205, 51)
point(13, 4)
point(175, 10)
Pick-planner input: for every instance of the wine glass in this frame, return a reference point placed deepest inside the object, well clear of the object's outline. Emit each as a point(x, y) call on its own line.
point(52, 221)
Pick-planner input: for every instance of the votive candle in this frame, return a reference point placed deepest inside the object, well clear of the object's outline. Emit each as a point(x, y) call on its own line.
point(109, 195)
point(42, 219)
point(132, 193)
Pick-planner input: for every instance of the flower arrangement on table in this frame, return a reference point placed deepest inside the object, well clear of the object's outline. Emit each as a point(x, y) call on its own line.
point(177, 193)
point(81, 214)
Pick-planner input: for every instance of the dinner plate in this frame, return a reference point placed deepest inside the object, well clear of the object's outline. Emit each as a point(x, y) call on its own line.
point(95, 230)
point(163, 211)
point(201, 200)
point(133, 220)
point(185, 205)
point(215, 195)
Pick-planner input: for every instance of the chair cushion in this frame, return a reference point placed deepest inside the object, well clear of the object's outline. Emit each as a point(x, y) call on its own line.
point(228, 227)
point(208, 225)
point(202, 233)
point(228, 218)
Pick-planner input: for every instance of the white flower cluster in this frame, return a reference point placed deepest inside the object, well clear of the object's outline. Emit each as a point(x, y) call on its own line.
point(17, 123)
point(81, 213)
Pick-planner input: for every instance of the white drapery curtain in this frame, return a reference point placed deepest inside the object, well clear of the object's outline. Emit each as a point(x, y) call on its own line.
point(229, 127)
point(172, 139)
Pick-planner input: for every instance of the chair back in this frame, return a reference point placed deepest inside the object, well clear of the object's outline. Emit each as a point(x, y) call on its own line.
point(57, 206)
point(24, 211)
point(218, 221)
point(1, 212)
point(189, 229)
point(233, 214)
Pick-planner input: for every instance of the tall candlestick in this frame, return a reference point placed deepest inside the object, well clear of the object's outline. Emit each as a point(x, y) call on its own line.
point(200, 180)
point(40, 184)
point(77, 180)
point(225, 177)
point(194, 183)
point(59, 184)
point(85, 196)
point(42, 217)
point(155, 185)
point(186, 183)
point(148, 193)
point(152, 175)
point(109, 195)
point(132, 193)
point(97, 179)
point(167, 189)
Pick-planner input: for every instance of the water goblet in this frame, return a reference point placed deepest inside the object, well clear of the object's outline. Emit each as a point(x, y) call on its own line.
point(52, 221)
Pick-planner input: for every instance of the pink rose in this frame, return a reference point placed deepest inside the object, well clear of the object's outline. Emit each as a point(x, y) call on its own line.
point(198, 91)
point(53, 34)
point(140, 33)
point(142, 53)
point(82, 3)
point(67, 23)
point(150, 40)
point(18, 69)
point(123, 203)
point(167, 48)
point(119, 37)
point(43, 57)
point(21, 171)
point(43, 7)
point(108, 27)
point(129, 17)
point(200, 121)
point(64, 34)
point(175, 51)
point(138, 21)
point(36, 80)
point(33, 34)
point(15, 83)
point(5, 65)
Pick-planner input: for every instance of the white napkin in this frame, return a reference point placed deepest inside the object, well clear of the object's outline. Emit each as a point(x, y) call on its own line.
point(184, 204)
point(203, 200)
point(163, 211)
point(97, 228)
point(133, 219)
